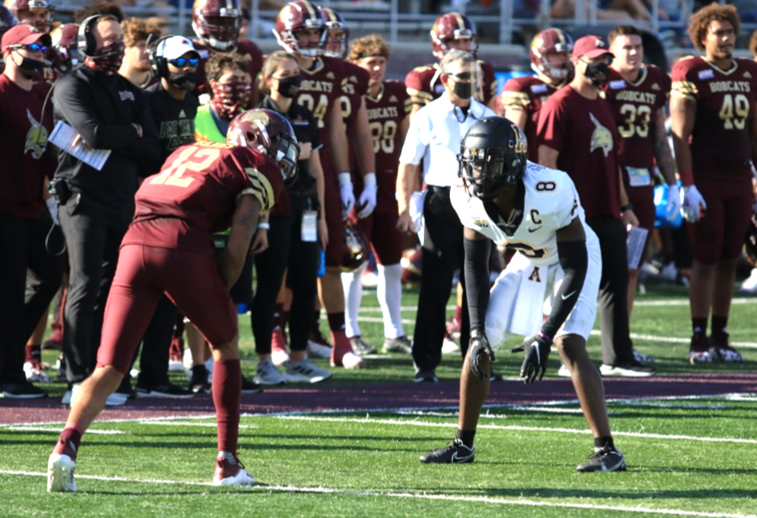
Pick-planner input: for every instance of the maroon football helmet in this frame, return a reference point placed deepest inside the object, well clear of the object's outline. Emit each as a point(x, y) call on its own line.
point(216, 23)
point(750, 245)
point(338, 35)
point(299, 16)
point(267, 132)
point(551, 41)
point(451, 27)
point(64, 53)
point(355, 252)
point(20, 9)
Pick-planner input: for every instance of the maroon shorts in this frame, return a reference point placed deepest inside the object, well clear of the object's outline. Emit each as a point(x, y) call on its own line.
point(386, 240)
point(642, 199)
point(719, 235)
point(334, 221)
point(191, 280)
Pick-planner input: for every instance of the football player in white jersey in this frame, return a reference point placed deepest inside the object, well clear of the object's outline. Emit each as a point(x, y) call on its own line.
point(502, 197)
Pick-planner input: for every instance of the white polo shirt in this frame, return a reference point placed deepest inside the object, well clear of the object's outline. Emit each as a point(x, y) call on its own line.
point(434, 136)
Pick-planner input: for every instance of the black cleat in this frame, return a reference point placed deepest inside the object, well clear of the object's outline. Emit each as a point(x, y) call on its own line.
point(604, 461)
point(454, 453)
point(199, 380)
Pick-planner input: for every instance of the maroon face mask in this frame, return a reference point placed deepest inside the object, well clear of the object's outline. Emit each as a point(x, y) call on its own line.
point(107, 59)
point(230, 98)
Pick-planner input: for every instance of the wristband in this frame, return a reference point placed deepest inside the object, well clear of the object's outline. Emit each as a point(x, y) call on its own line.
point(369, 179)
point(687, 177)
point(627, 207)
point(264, 225)
point(344, 178)
point(545, 337)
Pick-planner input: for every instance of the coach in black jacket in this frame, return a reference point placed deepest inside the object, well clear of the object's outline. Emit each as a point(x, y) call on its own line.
point(107, 112)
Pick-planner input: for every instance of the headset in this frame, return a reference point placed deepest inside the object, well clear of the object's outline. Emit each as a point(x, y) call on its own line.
point(86, 40)
point(158, 64)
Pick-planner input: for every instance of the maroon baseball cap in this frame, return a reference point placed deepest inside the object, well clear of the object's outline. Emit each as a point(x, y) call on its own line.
point(23, 34)
point(590, 46)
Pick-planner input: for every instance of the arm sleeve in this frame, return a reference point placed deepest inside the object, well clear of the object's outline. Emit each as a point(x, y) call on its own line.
point(574, 260)
point(77, 106)
point(477, 280)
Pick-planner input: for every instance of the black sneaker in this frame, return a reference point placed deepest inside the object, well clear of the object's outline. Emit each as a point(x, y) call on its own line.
point(22, 390)
point(401, 344)
point(604, 461)
point(198, 383)
point(250, 387)
point(361, 347)
point(454, 453)
point(426, 376)
point(165, 390)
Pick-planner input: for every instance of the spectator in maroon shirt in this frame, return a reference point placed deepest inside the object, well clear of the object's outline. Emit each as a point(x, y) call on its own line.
point(577, 134)
point(29, 275)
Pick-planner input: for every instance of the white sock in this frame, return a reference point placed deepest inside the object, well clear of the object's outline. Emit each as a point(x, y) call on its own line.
point(389, 293)
point(353, 292)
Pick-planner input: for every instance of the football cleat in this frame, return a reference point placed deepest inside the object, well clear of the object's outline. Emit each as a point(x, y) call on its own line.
point(361, 347)
point(60, 474)
point(699, 349)
point(632, 369)
point(305, 371)
point(425, 376)
point(349, 360)
point(401, 344)
point(642, 358)
point(230, 472)
point(267, 374)
point(318, 350)
point(603, 461)
point(454, 453)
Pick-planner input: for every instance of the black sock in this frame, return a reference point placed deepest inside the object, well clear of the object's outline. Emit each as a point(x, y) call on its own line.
point(699, 325)
point(719, 325)
point(604, 443)
point(466, 437)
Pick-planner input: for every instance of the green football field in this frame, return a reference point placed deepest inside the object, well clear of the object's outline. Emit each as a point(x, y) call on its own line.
point(687, 456)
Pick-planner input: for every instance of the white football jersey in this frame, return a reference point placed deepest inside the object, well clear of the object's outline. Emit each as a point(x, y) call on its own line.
point(551, 203)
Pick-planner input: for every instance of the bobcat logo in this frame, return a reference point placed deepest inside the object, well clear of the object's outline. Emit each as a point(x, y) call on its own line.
point(601, 137)
point(36, 138)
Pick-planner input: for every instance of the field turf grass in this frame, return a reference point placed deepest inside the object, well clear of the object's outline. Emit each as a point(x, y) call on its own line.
point(687, 457)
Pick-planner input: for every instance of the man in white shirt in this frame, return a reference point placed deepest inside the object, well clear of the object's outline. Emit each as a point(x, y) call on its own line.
point(434, 137)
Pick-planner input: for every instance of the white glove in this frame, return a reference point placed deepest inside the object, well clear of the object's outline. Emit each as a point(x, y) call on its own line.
point(52, 207)
point(693, 203)
point(345, 192)
point(367, 201)
point(674, 202)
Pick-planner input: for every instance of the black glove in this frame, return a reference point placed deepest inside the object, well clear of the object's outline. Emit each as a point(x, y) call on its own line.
point(479, 345)
point(537, 351)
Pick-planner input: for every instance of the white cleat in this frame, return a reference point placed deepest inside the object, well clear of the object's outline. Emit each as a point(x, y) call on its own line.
point(230, 472)
point(352, 361)
point(241, 479)
point(60, 474)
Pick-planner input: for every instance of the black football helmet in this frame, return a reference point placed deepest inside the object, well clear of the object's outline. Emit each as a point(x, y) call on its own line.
point(493, 156)
point(750, 244)
point(355, 252)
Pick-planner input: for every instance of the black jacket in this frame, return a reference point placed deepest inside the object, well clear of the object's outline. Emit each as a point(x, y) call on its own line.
point(102, 110)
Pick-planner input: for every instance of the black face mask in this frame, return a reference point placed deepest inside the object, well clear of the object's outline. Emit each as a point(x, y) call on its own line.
point(289, 86)
point(31, 68)
point(183, 80)
point(463, 90)
point(597, 73)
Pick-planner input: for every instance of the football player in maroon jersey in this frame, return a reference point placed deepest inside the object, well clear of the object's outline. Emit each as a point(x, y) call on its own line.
point(301, 30)
point(203, 188)
point(715, 137)
point(450, 31)
point(388, 115)
point(637, 94)
point(523, 97)
point(217, 24)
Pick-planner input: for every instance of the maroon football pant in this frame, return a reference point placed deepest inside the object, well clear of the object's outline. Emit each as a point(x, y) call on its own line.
point(191, 280)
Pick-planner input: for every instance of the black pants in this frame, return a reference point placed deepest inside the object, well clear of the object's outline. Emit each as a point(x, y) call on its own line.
point(156, 345)
point(613, 290)
point(93, 235)
point(29, 278)
point(442, 254)
point(286, 252)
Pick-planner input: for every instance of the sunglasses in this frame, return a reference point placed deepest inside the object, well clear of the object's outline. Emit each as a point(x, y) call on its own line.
point(182, 62)
point(32, 47)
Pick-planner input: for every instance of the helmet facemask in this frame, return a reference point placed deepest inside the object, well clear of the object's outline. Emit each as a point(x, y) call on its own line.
point(482, 172)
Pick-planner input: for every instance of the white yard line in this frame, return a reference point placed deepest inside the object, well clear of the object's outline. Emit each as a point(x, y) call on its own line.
point(519, 502)
point(399, 422)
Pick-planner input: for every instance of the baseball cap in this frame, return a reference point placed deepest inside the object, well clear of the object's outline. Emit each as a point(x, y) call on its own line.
point(174, 47)
point(590, 46)
point(23, 34)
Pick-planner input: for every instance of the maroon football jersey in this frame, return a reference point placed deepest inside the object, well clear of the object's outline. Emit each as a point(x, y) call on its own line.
point(636, 106)
point(196, 193)
point(385, 115)
point(583, 131)
point(424, 84)
point(725, 102)
point(26, 155)
point(528, 94)
point(320, 90)
point(247, 49)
